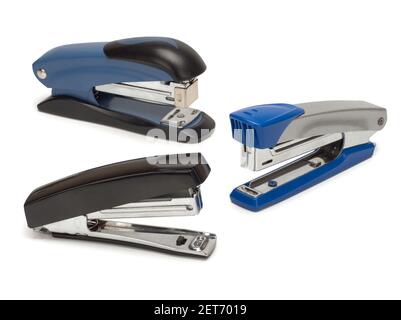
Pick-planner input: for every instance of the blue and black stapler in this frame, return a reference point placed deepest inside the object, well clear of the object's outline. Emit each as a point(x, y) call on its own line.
point(323, 139)
point(144, 85)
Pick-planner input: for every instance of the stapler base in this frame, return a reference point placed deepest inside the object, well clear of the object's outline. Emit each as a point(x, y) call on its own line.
point(346, 159)
point(206, 243)
point(68, 107)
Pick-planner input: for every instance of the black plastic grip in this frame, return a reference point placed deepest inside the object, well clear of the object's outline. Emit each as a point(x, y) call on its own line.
point(113, 185)
point(175, 57)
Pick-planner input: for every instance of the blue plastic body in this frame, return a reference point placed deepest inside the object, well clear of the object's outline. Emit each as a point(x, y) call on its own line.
point(74, 70)
point(261, 126)
point(348, 158)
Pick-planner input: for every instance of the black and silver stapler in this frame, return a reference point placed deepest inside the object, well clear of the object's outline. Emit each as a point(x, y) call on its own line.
point(144, 85)
point(83, 206)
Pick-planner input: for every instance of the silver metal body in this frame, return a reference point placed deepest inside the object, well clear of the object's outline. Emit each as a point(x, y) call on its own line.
point(323, 124)
point(100, 225)
point(325, 117)
point(180, 95)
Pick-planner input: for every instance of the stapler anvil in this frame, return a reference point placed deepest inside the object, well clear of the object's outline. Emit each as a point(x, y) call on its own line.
point(323, 139)
point(144, 85)
point(83, 206)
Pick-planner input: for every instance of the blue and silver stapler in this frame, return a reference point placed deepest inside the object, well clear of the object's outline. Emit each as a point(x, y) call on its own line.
point(322, 138)
point(144, 85)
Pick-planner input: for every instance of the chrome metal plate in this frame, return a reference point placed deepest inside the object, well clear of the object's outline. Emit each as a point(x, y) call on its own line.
point(180, 117)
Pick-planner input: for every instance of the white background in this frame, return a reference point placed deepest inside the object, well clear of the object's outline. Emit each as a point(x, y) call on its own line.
point(340, 239)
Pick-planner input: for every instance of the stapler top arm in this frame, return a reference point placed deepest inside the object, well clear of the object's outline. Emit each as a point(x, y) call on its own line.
point(327, 137)
point(136, 84)
point(84, 205)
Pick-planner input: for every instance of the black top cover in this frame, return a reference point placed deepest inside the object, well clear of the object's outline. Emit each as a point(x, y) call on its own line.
point(113, 185)
point(172, 56)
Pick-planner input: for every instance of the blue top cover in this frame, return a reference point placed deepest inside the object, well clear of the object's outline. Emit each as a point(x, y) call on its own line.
point(261, 126)
point(75, 69)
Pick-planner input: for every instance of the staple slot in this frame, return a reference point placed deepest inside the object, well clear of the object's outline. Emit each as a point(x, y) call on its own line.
point(251, 191)
point(295, 144)
point(174, 114)
point(267, 162)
